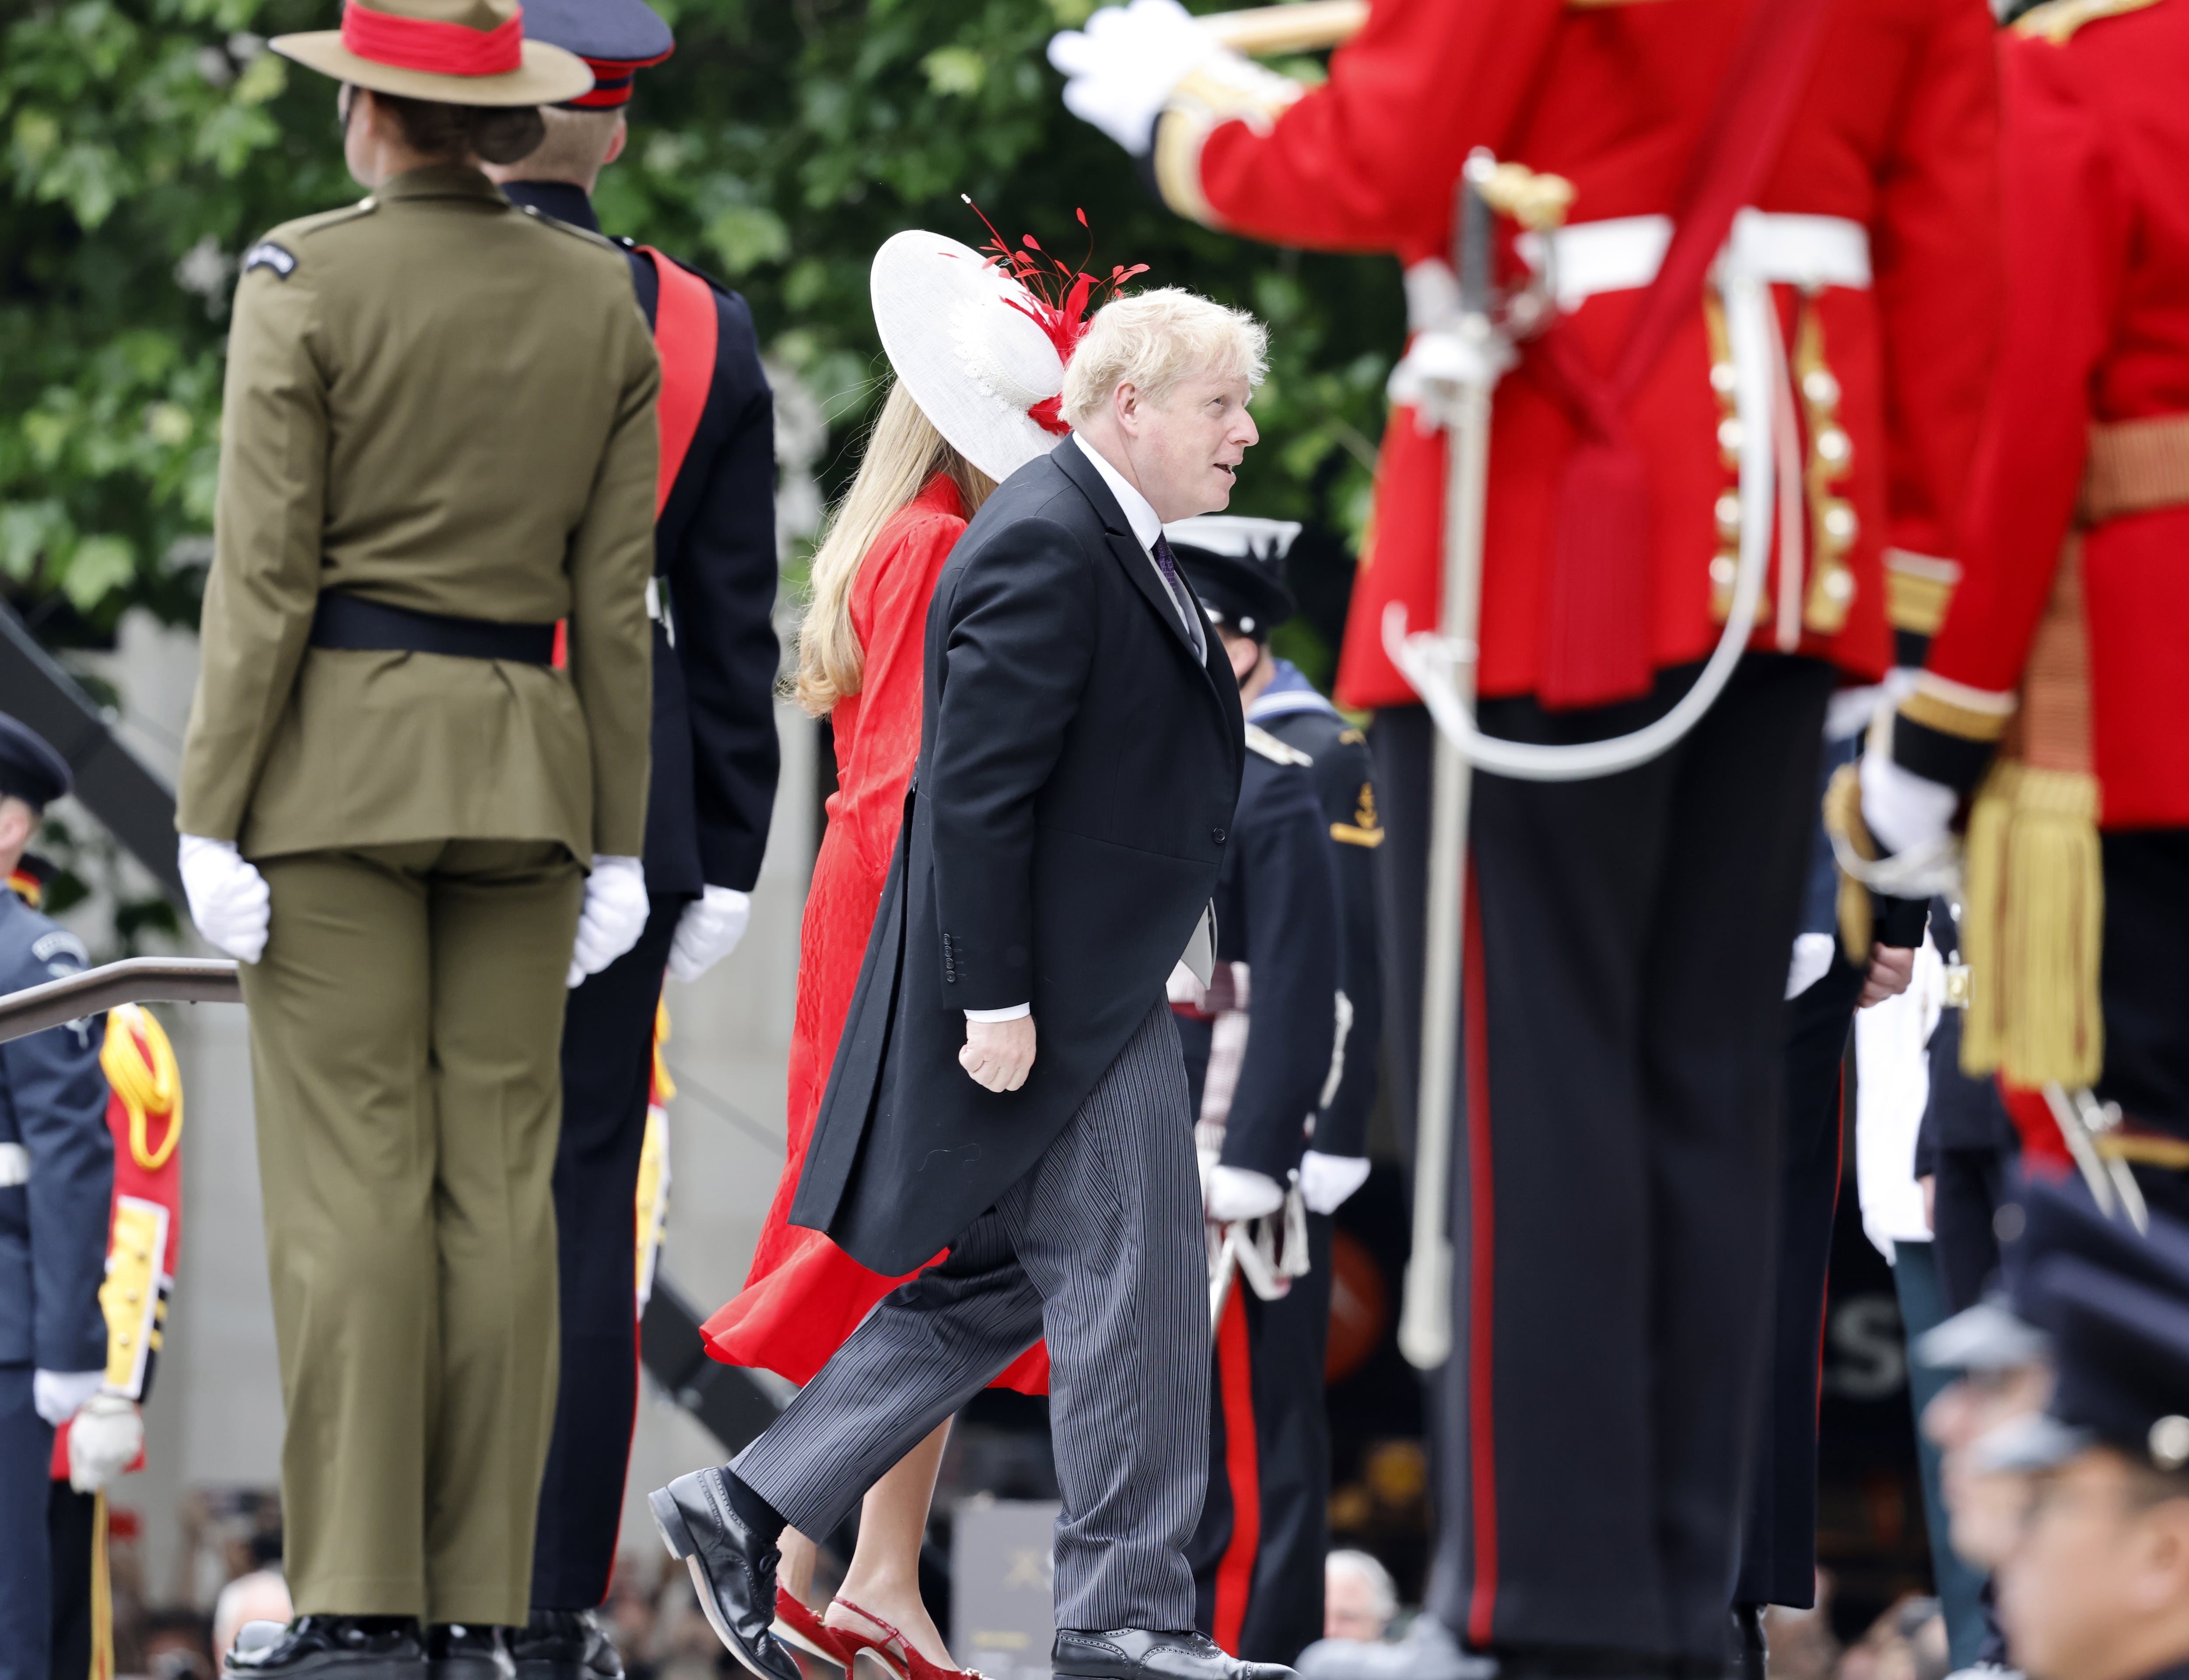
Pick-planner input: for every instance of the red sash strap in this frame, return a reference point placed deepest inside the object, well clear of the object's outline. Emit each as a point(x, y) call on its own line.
point(685, 329)
point(1598, 618)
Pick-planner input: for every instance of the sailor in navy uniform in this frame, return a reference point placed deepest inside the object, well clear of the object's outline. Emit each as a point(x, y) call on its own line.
point(715, 764)
point(2093, 1577)
point(56, 1180)
point(1261, 1047)
point(1283, 702)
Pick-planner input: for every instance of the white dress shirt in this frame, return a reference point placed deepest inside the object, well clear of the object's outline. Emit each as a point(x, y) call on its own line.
point(1147, 526)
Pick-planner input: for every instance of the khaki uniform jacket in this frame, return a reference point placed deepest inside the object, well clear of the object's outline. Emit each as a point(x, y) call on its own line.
point(439, 402)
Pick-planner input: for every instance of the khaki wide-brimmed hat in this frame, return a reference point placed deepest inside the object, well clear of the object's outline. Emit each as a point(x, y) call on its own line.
point(464, 52)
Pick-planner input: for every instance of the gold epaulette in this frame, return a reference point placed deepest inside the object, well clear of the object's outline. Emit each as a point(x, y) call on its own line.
point(2057, 21)
point(1232, 89)
point(1259, 740)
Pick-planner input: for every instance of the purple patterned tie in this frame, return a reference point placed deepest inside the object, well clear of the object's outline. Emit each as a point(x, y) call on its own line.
point(1168, 568)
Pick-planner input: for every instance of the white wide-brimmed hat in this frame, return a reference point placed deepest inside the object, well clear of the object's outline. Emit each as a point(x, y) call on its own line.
point(967, 341)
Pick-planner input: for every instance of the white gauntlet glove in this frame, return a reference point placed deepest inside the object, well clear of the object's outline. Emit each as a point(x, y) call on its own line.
point(1123, 64)
point(1238, 1193)
point(104, 1440)
point(229, 900)
point(709, 931)
point(613, 916)
point(1903, 810)
point(1325, 1180)
point(58, 1394)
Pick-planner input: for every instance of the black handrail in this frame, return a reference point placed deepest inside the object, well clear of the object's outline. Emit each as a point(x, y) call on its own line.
point(727, 1401)
point(134, 980)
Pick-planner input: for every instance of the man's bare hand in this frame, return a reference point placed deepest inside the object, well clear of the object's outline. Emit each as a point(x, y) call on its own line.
point(1891, 969)
point(998, 1054)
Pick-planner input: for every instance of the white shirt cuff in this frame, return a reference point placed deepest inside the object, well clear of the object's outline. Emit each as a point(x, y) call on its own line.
point(1016, 1012)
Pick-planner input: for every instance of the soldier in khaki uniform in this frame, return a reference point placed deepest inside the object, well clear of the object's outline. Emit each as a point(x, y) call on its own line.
point(439, 440)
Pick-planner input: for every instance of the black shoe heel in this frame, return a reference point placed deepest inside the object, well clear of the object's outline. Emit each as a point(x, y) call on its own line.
point(671, 1522)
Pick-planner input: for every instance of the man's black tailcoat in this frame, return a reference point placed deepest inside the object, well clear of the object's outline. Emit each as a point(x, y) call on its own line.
point(1078, 771)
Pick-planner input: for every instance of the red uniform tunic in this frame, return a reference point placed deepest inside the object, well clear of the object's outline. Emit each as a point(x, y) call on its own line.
point(804, 1295)
point(2097, 236)
point(1895, 133)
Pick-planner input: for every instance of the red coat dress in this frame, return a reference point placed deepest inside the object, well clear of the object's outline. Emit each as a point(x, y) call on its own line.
point(1895, 133)
point(804, 1295)
point(2097, 238)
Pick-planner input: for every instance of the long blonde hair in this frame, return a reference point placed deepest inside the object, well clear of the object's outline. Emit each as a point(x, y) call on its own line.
point(903, 451)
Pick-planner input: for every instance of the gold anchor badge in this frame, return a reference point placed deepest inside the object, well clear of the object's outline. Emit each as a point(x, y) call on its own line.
point(1366, 828)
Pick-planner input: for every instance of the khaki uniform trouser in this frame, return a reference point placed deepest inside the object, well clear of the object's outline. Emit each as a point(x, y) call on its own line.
point(405, 1031)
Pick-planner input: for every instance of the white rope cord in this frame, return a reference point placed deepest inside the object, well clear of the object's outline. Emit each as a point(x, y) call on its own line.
point(1426, 658)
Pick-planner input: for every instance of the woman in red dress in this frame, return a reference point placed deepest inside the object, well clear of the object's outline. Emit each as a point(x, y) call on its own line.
point(979, 360)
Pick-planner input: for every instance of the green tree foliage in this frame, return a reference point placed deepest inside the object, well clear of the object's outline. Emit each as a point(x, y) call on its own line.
point(148, 142)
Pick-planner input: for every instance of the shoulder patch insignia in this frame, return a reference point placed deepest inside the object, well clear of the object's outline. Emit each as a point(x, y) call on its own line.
point(268, 255)
point(1259, 740)
point(60, 942)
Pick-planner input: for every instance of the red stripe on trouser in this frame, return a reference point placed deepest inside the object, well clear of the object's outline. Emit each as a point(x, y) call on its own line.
point(1482, 1441)
point(1235, 1381)
point(1839, 1169)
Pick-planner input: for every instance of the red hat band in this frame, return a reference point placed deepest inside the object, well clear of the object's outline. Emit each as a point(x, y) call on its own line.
point(442, 49)
point(611, 81)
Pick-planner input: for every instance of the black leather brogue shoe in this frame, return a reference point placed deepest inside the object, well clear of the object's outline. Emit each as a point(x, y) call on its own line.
point(564, 1645)
point(1136, 1653)
point(734, 1574)
point(465, 1650)
point(332, 1647)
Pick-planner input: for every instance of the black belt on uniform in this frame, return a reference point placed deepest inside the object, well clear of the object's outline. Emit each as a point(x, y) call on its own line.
point(352, 622)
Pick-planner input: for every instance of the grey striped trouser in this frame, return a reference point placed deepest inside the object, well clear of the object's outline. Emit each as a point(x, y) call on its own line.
point(1099, 1247)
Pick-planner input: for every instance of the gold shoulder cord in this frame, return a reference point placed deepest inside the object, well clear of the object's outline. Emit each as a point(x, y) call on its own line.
point(139, 1064)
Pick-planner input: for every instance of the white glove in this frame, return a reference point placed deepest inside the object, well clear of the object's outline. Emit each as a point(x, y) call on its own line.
point(1811, 961)
point(58, 1394)
point(709, 931)
point(104, 1440)
point(613, 916)
point(229, 900)
point(1901, 810)
point(1325, 1180)
point(1440, 367)
point(1237, 1193)
point(1123, 64)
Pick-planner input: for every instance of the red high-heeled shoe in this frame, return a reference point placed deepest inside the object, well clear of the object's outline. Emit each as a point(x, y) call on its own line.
point(893, 1656)
point(804, 1631)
